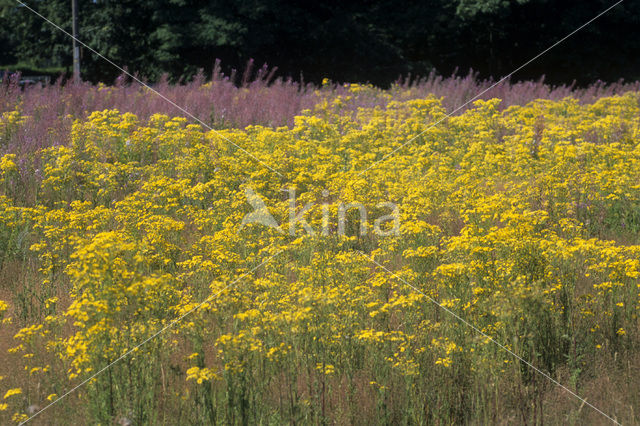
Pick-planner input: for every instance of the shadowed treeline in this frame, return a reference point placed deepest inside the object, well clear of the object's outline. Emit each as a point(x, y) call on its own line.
point(373, 41)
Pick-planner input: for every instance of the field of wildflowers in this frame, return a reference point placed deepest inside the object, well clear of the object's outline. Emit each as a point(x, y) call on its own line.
point(123, 247)
point(254, 97)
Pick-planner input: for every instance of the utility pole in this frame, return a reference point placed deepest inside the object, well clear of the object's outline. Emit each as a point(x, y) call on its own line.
point(76, 48)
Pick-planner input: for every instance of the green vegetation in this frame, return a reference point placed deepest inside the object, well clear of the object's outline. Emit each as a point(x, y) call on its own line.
point(374, 41)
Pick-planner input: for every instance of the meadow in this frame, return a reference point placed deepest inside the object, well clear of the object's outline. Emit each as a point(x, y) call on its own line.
point(121, 245)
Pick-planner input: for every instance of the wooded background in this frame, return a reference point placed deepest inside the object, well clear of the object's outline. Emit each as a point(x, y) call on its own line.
point(373, 41)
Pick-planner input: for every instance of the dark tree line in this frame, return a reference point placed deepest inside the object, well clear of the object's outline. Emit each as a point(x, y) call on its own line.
point(374, 40)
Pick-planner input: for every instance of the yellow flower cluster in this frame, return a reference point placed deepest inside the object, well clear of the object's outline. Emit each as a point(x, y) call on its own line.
point(10, 123)
point(524, 222)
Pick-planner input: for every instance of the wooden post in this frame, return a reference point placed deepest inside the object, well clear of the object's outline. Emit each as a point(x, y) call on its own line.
point(76, 48)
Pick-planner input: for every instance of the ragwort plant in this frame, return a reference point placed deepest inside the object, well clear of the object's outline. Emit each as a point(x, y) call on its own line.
point(521, 220)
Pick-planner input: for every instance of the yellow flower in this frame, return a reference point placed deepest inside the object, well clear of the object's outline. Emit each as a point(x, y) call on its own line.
point(19, 417)
point(328, 368)
point(445, 362)
point(7, 163)
point(11, 392)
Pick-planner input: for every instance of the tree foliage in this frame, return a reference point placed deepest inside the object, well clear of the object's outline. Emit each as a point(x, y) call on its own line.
point(374, 40)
